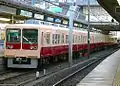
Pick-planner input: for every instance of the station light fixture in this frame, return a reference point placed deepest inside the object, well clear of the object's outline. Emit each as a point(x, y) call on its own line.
point(4, 19)
point(118, 2)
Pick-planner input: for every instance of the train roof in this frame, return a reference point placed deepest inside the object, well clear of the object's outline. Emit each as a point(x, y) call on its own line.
point(10, 26)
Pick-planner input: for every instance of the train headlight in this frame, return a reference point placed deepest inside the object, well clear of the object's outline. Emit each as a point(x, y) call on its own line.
point(33, 47)
point(9, 46)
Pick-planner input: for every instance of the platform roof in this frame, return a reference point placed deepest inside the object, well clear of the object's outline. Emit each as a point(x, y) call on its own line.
point(109, 6)
point(19, 5)
point(106, 4)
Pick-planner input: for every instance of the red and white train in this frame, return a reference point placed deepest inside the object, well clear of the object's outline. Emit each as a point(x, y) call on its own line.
point(26, 45)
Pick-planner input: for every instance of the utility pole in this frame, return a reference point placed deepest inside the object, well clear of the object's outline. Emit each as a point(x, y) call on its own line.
point(71, 17)
point(88, 28)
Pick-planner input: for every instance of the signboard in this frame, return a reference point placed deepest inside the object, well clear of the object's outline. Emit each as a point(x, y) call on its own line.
point(75, 24)
point(55, 9)
point(2, 35)
point(50, 19)
point(25, 13)
point(39, 16)
point(65, 22)
point(80, 25)
point(57, 20)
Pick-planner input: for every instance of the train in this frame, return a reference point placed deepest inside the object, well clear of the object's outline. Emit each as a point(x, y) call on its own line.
point(30, 45)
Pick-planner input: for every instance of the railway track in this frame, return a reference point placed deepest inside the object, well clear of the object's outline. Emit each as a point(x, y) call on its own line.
point(22, 78)
point(5, 72)
point(68, 80)
point(12, 78)
point(42, 77)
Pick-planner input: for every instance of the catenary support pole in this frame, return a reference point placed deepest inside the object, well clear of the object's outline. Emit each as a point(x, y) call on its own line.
point(88, 28)
point(71, 17)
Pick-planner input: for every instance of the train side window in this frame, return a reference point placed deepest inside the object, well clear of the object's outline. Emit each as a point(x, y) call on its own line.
point(83, 38)
point(47, 37)
point(76, 39)
point(79, 39)
point(91, 39)
point(53, 38)
point(66, 38)
point(42, 39)
point(62, 38)
point(73, 39)
point(58, 38)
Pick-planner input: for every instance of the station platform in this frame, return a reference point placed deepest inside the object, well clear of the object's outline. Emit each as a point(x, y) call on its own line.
point(107, 73)
point(1, 52)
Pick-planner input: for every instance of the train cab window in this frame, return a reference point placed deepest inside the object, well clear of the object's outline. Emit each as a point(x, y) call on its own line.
point(47, 37)
point(30, 36)
point(13, 35)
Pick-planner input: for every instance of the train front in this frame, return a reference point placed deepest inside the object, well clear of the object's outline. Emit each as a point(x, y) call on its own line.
point(21, 47)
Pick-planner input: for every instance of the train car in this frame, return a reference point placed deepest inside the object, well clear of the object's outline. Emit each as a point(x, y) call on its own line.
point(28, 45)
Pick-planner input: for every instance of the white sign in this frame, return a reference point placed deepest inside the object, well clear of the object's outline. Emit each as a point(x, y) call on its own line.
point(26, 13)
point(38, 16)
